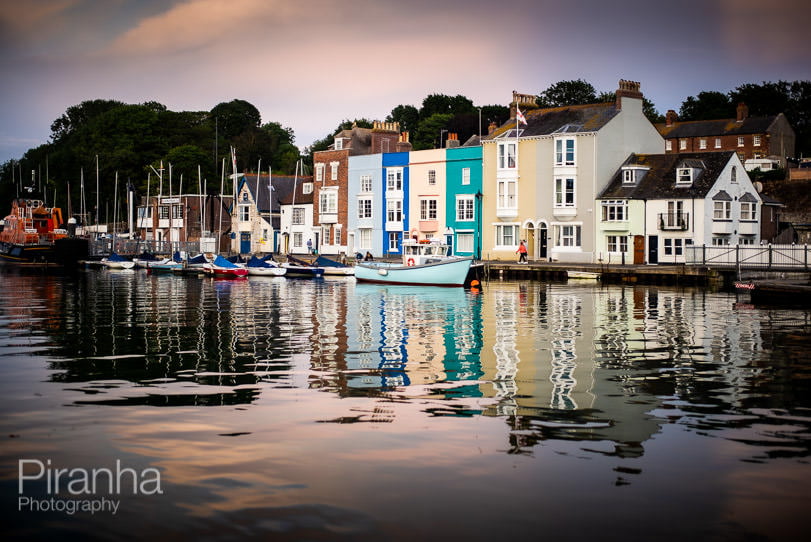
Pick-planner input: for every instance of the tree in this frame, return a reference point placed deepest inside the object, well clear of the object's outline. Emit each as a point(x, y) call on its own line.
point(234, 118)
point(406, 116)
point(564, 93)
point(77, 116)
point(434, 104)
point(428, 133)
point(707, 105)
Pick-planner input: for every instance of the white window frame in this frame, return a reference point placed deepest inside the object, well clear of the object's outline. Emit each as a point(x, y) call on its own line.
point(721, 210)
point(628, 176)
point(307, 188)
point(614, 210)
point(333, 168)
point(669, 145)
point(756, 140)
point(298, 239)
point(717, 142)
point(507, 232)
point(465, 176)
point(365, 207)
point(749, 211)
point(684, 175)
point(563, 193)
point(617, 243)
point(465, 208)
point(464, 242)
point(741, 142)
point(328, 202)
point(244, 213)
point(319, 172)
point(394, 240)
point(432, 177)
point(394, 179)
point(565, 151)
point(394, 210)
point(569, 236)
point(365, 238)
point(428, 209)
point(507, 155)
point(682, 144)
point(297, 216)
point(702, 143)
point(507, 193)
point(365, 183)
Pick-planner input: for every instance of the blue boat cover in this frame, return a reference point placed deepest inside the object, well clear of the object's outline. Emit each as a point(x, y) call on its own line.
point(116, 258)
point(219, 261)
point(200, 258)
point(256, 262)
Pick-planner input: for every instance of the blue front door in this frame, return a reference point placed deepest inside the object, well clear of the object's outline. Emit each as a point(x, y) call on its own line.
point(245, 243)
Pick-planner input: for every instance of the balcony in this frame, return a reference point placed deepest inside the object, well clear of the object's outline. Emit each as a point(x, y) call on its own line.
point(722, 227)
point(429, 225)
point(507, 212)
point(328, 218)
point(748, 227)
point(674, 221)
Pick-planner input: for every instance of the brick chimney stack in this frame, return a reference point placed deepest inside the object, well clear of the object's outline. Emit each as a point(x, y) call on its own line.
point(403, 143)
point(743, 112)
point(492, 128)
point(627, 89)
point(670, 117)
point(523, 101)
point(452, 141)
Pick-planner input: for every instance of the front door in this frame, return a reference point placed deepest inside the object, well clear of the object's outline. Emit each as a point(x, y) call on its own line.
point(542, 243)
point(639, 249)
point(653, 249)
point(245, 243)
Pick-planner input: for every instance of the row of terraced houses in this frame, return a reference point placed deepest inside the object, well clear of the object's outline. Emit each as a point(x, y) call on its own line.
point(585, 183)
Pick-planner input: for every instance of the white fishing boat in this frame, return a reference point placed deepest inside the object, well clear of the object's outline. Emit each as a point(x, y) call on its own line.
point(114, 261)
point(331, 267)
point(582, 275)
point(425, 264)
point(263, 268)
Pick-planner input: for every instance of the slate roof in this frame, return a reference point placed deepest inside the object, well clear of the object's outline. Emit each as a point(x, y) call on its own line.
point(360, 140)
point(568, 119)
point(659, 182)
point(282, 192)
point(719, 127)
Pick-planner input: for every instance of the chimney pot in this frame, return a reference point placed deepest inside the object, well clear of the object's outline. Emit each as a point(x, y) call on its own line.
point(671, 117)
point(742, 111)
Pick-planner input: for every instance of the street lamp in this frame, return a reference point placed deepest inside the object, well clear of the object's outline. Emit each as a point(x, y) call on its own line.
point(440, 137)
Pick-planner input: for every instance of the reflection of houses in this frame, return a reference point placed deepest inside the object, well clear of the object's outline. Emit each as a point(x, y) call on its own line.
point(541, 178)
point(752, 138)
point(658, 204)
point(257, 213)
point(186, 218)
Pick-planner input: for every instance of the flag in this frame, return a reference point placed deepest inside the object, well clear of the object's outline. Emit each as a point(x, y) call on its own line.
point(520, 116)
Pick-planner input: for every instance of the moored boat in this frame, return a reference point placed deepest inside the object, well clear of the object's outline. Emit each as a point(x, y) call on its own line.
point(114, 261)
point(426, 264)
point(301, 269)
point(30, 232)
point(264, 268)
point(331, 267)
point(222, 268)
point(582, 275)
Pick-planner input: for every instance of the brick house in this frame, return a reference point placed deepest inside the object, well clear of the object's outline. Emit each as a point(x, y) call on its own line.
point(752, 138)
point(331, 180)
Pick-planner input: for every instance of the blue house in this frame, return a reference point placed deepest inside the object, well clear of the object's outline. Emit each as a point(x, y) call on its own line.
point(395, 212)
point(365, 205)
point(463, 201)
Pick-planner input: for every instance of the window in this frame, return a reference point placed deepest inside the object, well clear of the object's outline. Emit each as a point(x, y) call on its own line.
point(177, 211)
point(668, 145)
point(394, 210)
point(721, 210)
point(339, 143)
point(564, 152)
point(506, 235)
point(365, 208)
point(569, 235)
point(394, 179)
point(734, 174)
point(465, 175)
point(338, 232)
point(319, 172)
point(756, 141)
point(506, 155)
point(684, 175)
point(394, 238)
point(507, 189)
point(746, 240)
point(307, 188)
point(163, 212)
point(628, 176)
point(674, 247)
point(464, 242)
point(464, 208)
point(365, 238)
point(333, 171)
point(431, 176)
point(682, 144)
point(564, 192)
point(740, 141)
point(365, 183)
point(702, 143)
point(720, 241)
point(328, 202)
point(717, 142)
point(615, 210)
point(245, 196)
point(298, 237)
point(244, 213)
point(298, 216)
point(427, 209)
point(617, 243)
point(748, 210)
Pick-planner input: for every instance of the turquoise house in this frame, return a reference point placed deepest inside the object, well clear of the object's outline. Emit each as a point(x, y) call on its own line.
point(463, 211)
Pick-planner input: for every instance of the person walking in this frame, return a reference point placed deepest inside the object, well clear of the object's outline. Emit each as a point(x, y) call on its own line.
point(309, 246)
point(522, 252)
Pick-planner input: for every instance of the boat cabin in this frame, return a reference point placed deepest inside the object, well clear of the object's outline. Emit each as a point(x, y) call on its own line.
point(419, 253)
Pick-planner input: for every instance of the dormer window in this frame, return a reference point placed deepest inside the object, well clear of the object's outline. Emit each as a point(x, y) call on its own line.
point(339, 143)
point(628, 176)
point(307, 188)
point(633, 174)
point(684, 175)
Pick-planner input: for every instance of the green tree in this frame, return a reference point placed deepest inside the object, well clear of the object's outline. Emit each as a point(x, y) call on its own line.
point(234, 118)
point(564, 93)
point(707, 105)
point(434, 104)
point(406, 115)
point(428, 133)
point(77, 116)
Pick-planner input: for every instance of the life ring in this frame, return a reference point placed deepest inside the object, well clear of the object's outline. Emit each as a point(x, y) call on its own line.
point(410, 262)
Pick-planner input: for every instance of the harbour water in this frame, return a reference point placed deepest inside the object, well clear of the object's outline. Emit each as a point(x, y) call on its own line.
point(282, 409)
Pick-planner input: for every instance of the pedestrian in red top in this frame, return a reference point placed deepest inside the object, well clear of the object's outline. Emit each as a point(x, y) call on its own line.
point(522, 253)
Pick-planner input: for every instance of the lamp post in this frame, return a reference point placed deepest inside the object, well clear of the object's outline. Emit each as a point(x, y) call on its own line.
point(440, 137)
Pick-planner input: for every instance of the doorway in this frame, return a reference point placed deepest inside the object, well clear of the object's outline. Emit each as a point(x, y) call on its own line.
point(639, 249)
point(653, 249)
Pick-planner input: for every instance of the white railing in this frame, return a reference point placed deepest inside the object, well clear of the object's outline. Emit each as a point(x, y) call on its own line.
point(789, 257)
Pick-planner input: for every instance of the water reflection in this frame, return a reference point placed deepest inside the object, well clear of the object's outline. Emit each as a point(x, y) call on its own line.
point(315, 386)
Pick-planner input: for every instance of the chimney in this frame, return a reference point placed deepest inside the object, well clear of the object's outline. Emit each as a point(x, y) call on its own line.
point(671, 117)
point(522, 101)
point(403, 143)
point(491, 128)
point(743, 112)
point(452, 141)
point(627, 89)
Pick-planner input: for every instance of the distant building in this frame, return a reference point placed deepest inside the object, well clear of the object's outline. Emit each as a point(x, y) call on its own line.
point(185, 218)
point(752, 138)
point(257, 213)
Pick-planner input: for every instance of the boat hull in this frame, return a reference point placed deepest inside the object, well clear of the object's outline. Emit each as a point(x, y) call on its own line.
point(452, 272)
point(300, 271)
point(31, 255)
point(267, 271)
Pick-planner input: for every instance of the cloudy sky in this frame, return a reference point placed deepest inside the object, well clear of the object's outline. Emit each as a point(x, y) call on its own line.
point(309, 64)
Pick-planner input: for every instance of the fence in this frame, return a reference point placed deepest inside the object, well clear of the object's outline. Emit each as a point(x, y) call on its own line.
point(772, 257)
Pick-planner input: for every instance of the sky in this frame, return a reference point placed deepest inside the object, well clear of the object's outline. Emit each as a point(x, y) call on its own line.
point(310, 64)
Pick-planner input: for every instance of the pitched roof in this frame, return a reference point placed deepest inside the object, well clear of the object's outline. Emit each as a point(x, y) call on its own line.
point(568, 119)
point(659, 181)
point(282, 192)
point(718, 127)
